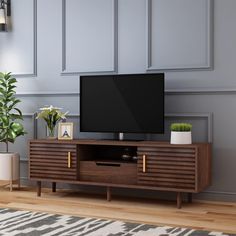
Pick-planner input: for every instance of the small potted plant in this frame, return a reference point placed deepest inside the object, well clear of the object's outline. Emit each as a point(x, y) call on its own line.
point(51, 115)
point(10, 128)
point(181, 133)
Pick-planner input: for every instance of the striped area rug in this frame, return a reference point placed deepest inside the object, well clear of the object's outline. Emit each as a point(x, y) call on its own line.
point(20, 223)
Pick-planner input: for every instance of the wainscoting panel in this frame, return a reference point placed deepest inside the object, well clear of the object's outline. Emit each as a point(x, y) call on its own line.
point(18, 46)
point(179, 34)
point(89, 36)
point(202, 126)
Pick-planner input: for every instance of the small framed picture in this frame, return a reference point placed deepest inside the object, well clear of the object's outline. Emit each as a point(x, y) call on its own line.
point(65, 130)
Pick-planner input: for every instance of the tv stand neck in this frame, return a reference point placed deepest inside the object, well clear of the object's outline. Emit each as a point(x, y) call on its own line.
point(121, 136)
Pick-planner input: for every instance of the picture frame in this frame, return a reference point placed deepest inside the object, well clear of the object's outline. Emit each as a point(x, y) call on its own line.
point(65, 131)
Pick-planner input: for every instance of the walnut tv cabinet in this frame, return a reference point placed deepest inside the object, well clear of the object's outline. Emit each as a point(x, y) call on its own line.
point(147, 165)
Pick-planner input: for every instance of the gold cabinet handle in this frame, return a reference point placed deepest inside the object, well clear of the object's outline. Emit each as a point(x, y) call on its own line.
point(69, 160)
point(144, 163)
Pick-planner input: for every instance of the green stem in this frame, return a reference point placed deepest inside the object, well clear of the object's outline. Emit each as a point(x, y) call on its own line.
point(51, 131)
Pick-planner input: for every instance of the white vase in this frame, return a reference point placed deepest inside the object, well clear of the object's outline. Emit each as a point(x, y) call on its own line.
point(181, 137)
point(9, 166)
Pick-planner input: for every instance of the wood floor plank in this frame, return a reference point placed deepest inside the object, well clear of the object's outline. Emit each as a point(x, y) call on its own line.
point(205, 215)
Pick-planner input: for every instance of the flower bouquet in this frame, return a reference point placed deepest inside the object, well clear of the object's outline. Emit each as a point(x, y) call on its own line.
point(51, 115)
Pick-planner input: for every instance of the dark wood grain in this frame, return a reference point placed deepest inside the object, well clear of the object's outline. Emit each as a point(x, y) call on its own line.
point(166, 168)
point(54, 187)
point(50, 160)
point(190, 197)
point(179, 200)
point(38, 188)
point(108, 172)
point(178, 168)
point(109, 193)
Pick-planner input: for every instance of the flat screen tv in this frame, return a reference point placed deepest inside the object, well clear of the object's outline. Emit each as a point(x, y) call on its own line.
point(132, 103)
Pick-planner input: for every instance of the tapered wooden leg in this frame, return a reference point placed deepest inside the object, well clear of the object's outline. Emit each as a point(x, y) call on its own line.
point(11, 184)
point(19, 183)
point(38, 188)
point(190, 198)
point(54, 187)
point(108, 194)
point(179, 200)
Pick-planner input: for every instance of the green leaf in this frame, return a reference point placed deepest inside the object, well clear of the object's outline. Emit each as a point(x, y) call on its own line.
point(18, 110)
point(2, 91)
point(5, 120)
point(11, 87)
point(12, 81)
point(1, 75)
point(13, 105)
point(10, 140)
point(7, 76)
point(17, 128)
point(181, 127)
point(15, 117)
point(4, 85)
point(10, 94)
point(15, 100)
point(12, 135)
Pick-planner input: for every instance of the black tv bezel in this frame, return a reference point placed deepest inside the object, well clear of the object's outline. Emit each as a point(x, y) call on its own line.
point(92, 131)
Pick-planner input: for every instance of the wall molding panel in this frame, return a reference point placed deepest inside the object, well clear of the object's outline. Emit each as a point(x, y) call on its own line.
point(207, 60)
point(220, 193)
point(34, 50)
point(208, 116)
point(33, 118)
point(213, 91)
point(114, 49)
point(47, 93)
point(35, 41)
point(168, 92)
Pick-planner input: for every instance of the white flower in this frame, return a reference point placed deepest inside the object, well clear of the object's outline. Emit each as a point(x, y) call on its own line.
point(50, 108)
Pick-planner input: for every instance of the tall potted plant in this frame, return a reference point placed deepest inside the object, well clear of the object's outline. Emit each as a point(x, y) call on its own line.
point(10, 128)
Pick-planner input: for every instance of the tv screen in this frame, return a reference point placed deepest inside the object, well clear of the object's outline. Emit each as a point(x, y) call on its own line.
point(131, 103)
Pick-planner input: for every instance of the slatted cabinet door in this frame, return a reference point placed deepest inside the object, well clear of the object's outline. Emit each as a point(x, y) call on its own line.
point(172, 168)
point(53, 161)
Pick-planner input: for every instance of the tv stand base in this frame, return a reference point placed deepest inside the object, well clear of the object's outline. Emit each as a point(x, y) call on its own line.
point(179, 195)
point(146, 165)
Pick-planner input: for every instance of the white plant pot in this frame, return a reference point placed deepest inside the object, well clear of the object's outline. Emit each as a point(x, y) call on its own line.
point(9, 166)
point(181, 137)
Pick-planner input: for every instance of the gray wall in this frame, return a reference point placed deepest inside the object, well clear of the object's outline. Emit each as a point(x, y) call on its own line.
point(51, 43)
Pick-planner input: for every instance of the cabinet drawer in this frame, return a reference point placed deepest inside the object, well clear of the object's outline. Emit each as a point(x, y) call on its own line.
point(108, 172)
point(170, 168)
point(53, 161)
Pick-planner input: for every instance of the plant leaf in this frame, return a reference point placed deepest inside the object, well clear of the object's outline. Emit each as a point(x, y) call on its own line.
point(18, 110)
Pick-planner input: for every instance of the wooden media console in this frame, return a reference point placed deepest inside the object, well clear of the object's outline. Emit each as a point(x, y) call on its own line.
point(147, 165)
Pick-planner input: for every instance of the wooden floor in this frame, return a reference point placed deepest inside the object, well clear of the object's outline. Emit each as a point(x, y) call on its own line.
point(213, 216)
